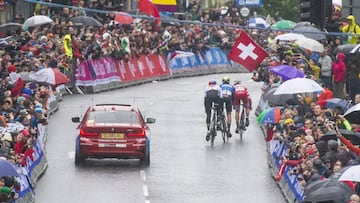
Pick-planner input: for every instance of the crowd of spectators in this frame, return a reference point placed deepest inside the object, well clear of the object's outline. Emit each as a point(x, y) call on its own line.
point(309, 127)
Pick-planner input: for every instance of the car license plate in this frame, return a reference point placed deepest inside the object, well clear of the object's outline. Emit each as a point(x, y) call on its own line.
point(112, 135)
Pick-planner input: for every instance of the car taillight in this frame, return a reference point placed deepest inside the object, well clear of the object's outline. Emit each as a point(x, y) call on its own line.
point(137, 133)
point(87, 134)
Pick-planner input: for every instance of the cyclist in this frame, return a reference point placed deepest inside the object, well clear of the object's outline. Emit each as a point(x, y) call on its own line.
point(212, 95)
point(241, 95)
point(227, 91)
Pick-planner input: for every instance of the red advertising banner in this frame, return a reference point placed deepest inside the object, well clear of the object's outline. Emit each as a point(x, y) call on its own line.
point(106, 70)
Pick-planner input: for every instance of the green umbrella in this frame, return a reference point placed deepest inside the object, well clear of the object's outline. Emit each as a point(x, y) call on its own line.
point(284, 24)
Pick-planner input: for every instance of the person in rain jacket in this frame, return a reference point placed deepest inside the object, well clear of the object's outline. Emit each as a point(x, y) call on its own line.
point(352, 28)
point(339, 71)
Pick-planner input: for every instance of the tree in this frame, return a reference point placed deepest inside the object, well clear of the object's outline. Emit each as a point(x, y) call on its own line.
point(280, 8)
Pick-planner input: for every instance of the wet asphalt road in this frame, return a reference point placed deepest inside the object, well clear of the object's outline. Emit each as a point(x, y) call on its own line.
point(184, 168)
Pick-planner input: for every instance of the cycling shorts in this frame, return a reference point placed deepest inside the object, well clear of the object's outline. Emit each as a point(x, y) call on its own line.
point(228, 104)
point(246, 100)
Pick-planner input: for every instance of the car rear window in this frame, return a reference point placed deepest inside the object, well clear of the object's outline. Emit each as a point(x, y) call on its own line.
point(130, 117)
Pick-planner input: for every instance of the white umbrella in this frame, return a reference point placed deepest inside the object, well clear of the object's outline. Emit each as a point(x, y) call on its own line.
point(310, 44)
point(36, 20)
point(351, 174)
point(298, 85)
point(289, 37)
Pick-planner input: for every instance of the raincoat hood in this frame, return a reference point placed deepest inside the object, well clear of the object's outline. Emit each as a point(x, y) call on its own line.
point(341, 57)
point(352, 18)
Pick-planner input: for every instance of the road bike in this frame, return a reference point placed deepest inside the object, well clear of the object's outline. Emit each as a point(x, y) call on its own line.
point(241, 126)
point(217, 123)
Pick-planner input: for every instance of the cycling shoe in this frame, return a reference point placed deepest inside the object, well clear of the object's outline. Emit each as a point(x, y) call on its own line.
point(247, 122)
point(207, 137)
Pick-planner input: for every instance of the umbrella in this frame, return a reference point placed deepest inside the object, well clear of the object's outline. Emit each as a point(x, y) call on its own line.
point(169, 20)
point(353, 114)
point(123, 18)
point(7, 168)
point(25, 76)
point(10, 27)
point(351, 173)
point(298, 85)
point(86, 21)
point(355, 49)
point(271, 116)
point(51, 76)
point(311, 32)
point(284, 24)
point(36, 20)
point(261, 115)
point(287, 72)
point(310, 44)
point(289, 37)
point(277, 99)
point(257, 22)
point(353, 137)
point(304, 24)
point(327, 190)
point(337, 102)
point(329, 135)
point(344, 48)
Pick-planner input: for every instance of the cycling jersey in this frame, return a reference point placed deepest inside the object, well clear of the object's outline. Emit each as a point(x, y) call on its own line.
point(227, 92)
point(212, 95)
point(241, 95)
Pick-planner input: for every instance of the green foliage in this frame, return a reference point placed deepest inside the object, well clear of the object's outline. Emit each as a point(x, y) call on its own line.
point(286, 9)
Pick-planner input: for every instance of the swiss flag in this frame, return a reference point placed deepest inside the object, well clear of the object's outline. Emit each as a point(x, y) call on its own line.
point(247, 52)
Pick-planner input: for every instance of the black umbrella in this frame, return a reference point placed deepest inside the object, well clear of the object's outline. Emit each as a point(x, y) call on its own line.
point(330, 135)
point(10, 27)
point(344, 48)
point(327, 190)
point(86, 21)
point(353, 114)
point(311, 32)
point(280, 99)
point(351, 136)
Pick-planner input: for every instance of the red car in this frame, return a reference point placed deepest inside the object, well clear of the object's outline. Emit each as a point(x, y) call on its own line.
point(113, 131)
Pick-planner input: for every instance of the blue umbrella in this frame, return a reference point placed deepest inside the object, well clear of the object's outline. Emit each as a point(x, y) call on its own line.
point(287, 72)
point(257, 22)
point(7, 168)
point(337, 102)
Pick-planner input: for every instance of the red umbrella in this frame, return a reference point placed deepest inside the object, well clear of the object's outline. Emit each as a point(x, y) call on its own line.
point(51, 76)
point(123, 18)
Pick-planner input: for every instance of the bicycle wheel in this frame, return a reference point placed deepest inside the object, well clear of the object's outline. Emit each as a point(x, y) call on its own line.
point(224, 129)
point(242, 124)
point(212, 129)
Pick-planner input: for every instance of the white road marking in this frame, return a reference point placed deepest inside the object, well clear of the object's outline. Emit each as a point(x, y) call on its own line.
point(142, 173)
point(146, 191)
point(145, 188)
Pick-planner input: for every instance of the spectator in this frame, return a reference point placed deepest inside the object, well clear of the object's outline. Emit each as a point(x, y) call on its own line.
point(339, 70)
point(351, 28)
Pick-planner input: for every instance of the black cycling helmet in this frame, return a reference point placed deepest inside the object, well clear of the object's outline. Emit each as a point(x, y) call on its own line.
point(226, 80)
point(237, 82)
point(212, 82)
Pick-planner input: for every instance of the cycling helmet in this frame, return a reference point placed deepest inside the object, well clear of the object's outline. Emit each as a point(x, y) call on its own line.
point(237, 82)
point(226, 80)
point(212, 82)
